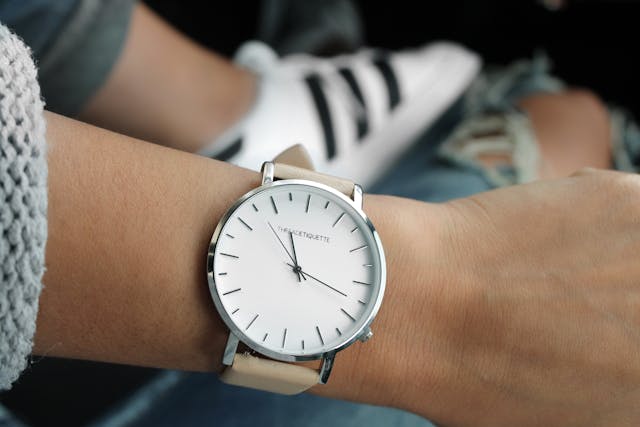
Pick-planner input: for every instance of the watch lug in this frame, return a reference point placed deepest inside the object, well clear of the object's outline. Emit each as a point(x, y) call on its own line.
point(268, 171)
point(366, 334)
point(230, 350)
point(327, 365)
point(357, 196)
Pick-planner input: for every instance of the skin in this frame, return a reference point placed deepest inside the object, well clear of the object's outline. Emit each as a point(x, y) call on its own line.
point(519, 305)
point(193, 95)
point(180, 95)
point(572, 130)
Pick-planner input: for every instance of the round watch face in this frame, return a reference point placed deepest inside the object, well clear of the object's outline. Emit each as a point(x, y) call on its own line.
point(296, 270)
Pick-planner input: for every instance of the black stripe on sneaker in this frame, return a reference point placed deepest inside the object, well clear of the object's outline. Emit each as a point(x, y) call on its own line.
point(233, 149)
point(315, 87)
point(361, 122)
point(381, 62)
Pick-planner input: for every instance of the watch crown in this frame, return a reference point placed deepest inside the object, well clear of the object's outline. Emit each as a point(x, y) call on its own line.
point(366, 335)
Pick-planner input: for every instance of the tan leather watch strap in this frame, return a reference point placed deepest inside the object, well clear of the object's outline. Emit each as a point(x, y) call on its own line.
point(296, 155)
point(269, 375)
point(294, 163)
point(266, 374)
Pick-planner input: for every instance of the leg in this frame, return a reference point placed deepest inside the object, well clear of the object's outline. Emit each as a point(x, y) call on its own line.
point(572, 130)
point(195, 399)
point(519, 123)
point(469, 148)
point(367, 105)
point(167, 89)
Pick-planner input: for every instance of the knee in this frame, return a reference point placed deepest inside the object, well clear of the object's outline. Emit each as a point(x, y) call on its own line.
point(575, 113)
point(572, 107)
point(572, 129)
point(589, 106)
point(591, 113)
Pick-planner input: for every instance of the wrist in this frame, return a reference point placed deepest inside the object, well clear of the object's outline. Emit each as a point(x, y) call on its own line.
point(410, 359)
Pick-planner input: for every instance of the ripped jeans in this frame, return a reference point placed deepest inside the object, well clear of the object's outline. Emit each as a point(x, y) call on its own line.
point(445, 164)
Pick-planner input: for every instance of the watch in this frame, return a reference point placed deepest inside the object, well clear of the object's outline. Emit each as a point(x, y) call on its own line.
point(297, 272)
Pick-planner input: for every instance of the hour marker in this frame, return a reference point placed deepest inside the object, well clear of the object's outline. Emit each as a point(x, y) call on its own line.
point(358, 248)
point(251, 323)
point(367, 265)
point(229, 255)
point(303, 344)
point(235, 311)
point(229, 235)
point(284, 337)
point(265, 337)
point(255, 208)
point(326, 205)
point(245, 224)
point(273, 203)
point(339, 218)
point(308, 201)
point(290, 197)
point(361, 283)
point(355, 229)
point(222, 274)
point(230, 292)
point(338, 331)
point(362, 302)
point(348, 315)
point(320, 335)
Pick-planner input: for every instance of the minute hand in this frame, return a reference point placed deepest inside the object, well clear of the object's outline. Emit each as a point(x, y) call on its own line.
point(320, 281)
point(281, 244)
point(296, 268)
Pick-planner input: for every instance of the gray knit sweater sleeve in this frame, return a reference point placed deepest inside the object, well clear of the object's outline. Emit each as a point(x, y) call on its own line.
point(23, 204)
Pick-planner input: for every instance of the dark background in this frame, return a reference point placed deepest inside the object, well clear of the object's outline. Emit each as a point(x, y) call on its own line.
point(591, 43)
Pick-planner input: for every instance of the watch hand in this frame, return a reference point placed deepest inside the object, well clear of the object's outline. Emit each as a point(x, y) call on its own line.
point(282, 244)
point(295, 258)
point(318, 280)
point(296, 268)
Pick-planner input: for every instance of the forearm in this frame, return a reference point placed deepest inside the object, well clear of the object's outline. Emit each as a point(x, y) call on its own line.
point(128, 229)
point(129, 225)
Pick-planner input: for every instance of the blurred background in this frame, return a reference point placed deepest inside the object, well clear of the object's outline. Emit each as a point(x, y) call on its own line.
point(591, 43)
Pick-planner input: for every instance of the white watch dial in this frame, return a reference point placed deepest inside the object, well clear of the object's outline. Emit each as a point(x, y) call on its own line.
point(296, 271)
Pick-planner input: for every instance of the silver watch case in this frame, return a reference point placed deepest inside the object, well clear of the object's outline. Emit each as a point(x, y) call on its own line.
point(363, 333)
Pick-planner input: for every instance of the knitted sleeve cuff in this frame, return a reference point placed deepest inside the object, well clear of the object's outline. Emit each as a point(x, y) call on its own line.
point(23, 204)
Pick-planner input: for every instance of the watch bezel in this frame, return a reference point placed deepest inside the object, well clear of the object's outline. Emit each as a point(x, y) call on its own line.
point(351, 338)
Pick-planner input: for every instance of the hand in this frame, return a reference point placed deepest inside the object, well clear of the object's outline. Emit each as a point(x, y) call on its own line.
point(547, 330)
point(296, 268)
point(516, 307)
point(550, 326)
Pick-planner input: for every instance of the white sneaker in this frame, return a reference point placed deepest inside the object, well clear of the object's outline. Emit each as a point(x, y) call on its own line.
point(355, 114)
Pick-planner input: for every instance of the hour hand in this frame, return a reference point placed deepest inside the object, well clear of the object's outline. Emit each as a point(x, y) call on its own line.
point(297, 268)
